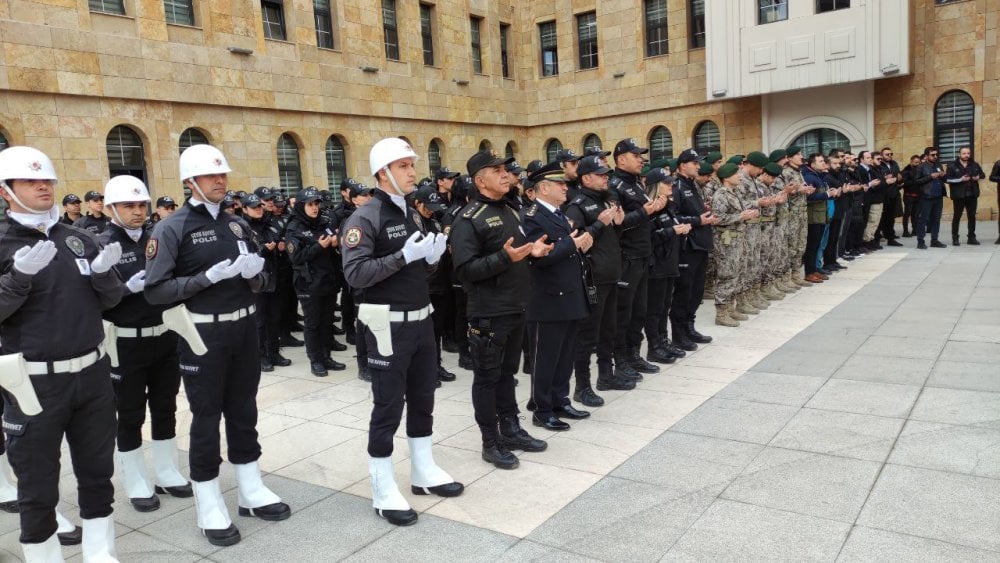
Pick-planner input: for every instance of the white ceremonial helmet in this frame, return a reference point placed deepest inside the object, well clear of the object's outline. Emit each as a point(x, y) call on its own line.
point(387, 151)
point(125, 188)
point(25, 163)
point(202, 160)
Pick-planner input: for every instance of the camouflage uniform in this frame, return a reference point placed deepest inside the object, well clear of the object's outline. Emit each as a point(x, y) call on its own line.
point(797, 224)
point(728, 253)
point(707, 193)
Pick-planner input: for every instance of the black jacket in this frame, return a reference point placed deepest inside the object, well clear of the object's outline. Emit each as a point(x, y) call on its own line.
point(133, 311)
point(313, 267)
point(493, 284)
point(995, 173)
point(265, 231)
point(558, 289)
point(95, 225)
point(666, 244)
point(926, 186)
point(605, 257)
point(957, 187)
point(689, 209)
point(55, 314)
point(438, 281)
point(634, 230)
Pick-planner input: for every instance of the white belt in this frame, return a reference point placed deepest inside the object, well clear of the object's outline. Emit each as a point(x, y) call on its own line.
point(200, 318)
point(72, 365)
point(409, 316)
point(145, 332)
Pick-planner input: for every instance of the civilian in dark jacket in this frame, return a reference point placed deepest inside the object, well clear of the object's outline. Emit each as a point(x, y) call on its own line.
point(928, 181)
point(963, 180)
point(910, 197)
point(995, 177)
point(889, 169)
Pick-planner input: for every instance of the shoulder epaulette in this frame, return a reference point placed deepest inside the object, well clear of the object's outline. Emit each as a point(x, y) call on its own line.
point(531, 211)
point(472, 208)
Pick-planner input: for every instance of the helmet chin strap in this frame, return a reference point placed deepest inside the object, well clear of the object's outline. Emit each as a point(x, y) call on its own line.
point(197, 188)
point(17, 200)
point(392, 180)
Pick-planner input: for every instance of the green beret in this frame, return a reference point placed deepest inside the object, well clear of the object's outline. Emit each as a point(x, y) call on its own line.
point(794, 150)
point(705, 169)
point(727, 170)
point(757, 159)
point(772, 169)
point(736, 159)
point(658, 163)
point(672, 163)
point(777, 155)
point(713, 157)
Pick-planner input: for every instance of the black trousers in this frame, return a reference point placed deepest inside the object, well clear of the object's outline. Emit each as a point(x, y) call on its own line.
point(461, 320)
point(597, 334)
point(553, 346)
point(147, 374)
point(661, 295)
point(632, 296)
point(814, 235)
point(348, 309)
point(223, 382)
point(442, 318)
point(969, 205)
point(689, 289)
point(81, 407)
point(887, 223)
point(833, 245)
point(909, 214)
point(318, 312)
point(929, 217)
point(268, 322)
point(495, 345)
point(408, 375)
point(288, 304)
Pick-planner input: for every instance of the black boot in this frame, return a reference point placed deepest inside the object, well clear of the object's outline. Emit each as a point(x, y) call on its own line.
point(318, 368)
point(338, 331)
point(333, 365)
point(608, 380)
point(445, 375)
point(465, 360)
point(587, 397)
point(265, 363)
point(337, 346)
point(494, 452)
point(623, 367)
point(278, 360)
point(660, 356)
point(639, 364)
point(289, 341)
point(449, 345)
point(514, 437)
point(681, 339)
point(696, 336)
point(364, 374)
point(665, 344)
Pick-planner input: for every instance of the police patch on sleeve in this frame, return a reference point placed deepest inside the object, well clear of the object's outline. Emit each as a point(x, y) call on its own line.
point(236, 229)
point(353, 237)
point(75, 245)
point(151, 247)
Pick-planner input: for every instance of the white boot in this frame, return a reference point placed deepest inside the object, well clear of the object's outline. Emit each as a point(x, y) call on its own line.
point(8, 490)
point(48, 551)
point(63, 523)
point(386, 498)
point(252, 491)
point(165, 464)
point(99, 540)
point(424, 473)
point(212, 511)
point(133, 466)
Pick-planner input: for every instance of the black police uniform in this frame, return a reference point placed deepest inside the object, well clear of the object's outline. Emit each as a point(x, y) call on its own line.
point(556, 304)
point(439, 286)
point(96, 225)
point(372, 243)
point(224, 381)
point(266, 231)
point(348, 308)
point(315, 282)
point(147, 369)
point(459, 328)
point(637, 247)
point(695, 248)
point(604, 262)
point(66, 219)
point(288, 305)
point(51, 316)
point(663, 273)
point(496, 290)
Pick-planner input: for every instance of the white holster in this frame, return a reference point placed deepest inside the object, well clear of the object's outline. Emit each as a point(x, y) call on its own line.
point(376, 318)
point(179, 320)
point(15, 379)
point(111, 342)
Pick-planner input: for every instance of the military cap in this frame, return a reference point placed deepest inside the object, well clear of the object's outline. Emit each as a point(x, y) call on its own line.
point(591, 165)
point(772, 169)
point(777, 155)
point(485, 159)
point(727, 170)
point(758, 159)
point(629, 145)
point(705, 169)
point(71, 198)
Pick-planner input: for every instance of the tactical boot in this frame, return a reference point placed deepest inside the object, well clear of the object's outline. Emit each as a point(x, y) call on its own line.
point(722, 317)
point(759, 300)
point(799, 279)
point(609, 380)
point(514, 437)
point(744, 306)
point(681, 339)
point(667, 345)
point(639, 364)
point(787, 285)
point(696, 336)
point(660, 356)
point(624, 369)
point(587, 397)
point(494, 452)
point(771, 292)
point(736, 315)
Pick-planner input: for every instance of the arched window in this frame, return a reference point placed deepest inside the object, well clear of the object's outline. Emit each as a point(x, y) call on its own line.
point(485, 145)
point(661, 144)
point(434, 155)
point(591, 140)
point(510, 151)
point(191, 136)
point(125, 153)
point(552, 146)
point(706, 137)
point(336, 165)
point(954, 124)
point(4, 143)
point(822, 140)
point(289, 168)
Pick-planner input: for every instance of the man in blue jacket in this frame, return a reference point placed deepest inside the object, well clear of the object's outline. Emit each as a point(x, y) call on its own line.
point(928, 182)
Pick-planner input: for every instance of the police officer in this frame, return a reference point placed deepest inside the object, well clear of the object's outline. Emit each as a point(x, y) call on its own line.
point(663, 269)
point(71, 208)
point(568, 161)
point(461, 191)
point(267, 237)
point(310, 243)
point(489, 251)
point(207, 260)
point(557, 302)
point(444, 180)
point(165, 205)
point(95, 220)
point(147, 370)
point(387, 257)
point(56, 280)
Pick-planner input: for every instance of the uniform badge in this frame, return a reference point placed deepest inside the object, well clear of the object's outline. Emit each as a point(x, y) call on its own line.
point(151, 247)
point(75, 245)
point(353, 237)
point(290, 246)
point(36, 166)
point(447, 230)
point(236, 229)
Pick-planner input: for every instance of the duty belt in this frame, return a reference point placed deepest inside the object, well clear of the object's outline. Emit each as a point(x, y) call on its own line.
point(410, 316)
point(767, 219)
point(729, 235)
point(144, 332)
point(72, 365)
point(201, 318)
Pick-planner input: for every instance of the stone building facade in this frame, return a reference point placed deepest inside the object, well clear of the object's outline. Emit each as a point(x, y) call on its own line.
point(102, 91)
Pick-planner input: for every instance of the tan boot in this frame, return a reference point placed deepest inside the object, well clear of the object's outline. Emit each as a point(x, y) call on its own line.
point(771, 292)
point(758, 300)
point(722, 317)
point(736, 315)
point(745, 306)
point(787, 285)
point(799, 279)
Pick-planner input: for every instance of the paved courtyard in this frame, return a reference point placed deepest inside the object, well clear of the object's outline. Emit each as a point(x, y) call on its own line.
point(855, 420)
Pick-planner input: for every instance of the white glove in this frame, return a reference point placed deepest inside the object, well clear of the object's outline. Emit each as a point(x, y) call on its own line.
point(31, 259)
point(253, 266)
point(438, 248)
point(414, 250)
point(222, 270)
point(107, 258)
point(137, 282)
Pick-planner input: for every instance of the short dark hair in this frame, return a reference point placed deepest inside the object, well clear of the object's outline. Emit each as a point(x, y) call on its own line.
point(964, 147)
point(836, 153)
point(816, 156)
point(917, 156)
point(929, 150)
point(885, 149)
point(861, 154)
